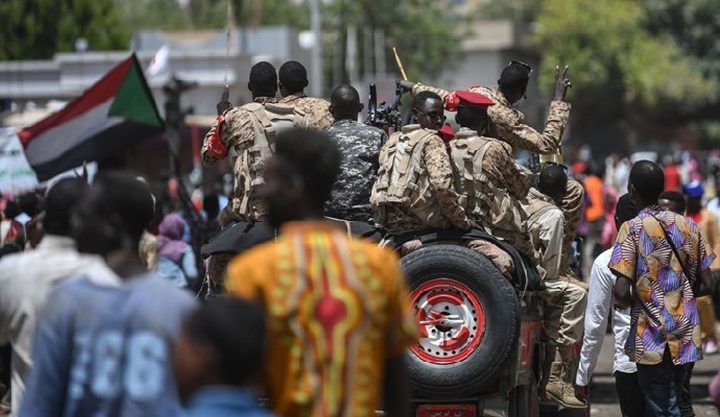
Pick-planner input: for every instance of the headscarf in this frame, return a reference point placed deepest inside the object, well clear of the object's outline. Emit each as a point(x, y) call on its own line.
point(169, 239)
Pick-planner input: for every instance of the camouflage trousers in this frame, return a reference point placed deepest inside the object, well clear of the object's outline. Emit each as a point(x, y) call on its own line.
point(564, 312)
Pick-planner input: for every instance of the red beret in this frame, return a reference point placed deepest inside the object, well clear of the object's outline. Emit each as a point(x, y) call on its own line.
point(468, 98)
point(446, 132)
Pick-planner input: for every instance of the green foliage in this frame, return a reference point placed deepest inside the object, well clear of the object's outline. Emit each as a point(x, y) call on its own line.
point(213, 13)
point(693, 24)
point(153, 14)
point(37, 29)
point(422, 31)
point(615, 61)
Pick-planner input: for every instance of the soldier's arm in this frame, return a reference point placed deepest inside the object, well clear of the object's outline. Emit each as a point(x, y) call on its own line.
point(420, 87)
point(510, 127)
point(234, 128)
point(440, 174)
point(518, 181)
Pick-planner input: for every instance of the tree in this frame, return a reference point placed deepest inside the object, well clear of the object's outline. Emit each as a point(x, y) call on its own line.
point(693, 24)
point(422, 31)
point(37, 29)
point(620, 71)
point(153, 14)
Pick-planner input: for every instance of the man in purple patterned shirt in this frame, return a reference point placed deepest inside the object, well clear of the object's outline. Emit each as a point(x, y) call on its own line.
point(650, 256)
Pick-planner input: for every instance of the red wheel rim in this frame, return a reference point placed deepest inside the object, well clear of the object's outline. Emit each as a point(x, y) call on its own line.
point(450, 318)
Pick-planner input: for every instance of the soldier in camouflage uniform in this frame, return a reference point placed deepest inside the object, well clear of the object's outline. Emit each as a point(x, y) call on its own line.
point(414, 190)
point(293, 80)
point(565, 301)
point(360, 147)
point(239, 132)
point(490, 182)
point(507, 124)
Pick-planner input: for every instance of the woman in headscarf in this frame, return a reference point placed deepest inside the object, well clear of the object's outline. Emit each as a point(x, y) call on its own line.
point(176, 260)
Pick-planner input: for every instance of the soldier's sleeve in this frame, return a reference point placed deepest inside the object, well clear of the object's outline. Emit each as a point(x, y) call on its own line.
point(512, 129)
point(450, 100)
point(551, 235)
point(440, 174)
point(233, 128)
point(518, 181)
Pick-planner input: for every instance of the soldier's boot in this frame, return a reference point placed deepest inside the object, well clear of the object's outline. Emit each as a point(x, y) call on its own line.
point(548, 359)
point(560, 386)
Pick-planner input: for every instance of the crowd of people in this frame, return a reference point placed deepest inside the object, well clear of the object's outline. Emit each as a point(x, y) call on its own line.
point(94, 303)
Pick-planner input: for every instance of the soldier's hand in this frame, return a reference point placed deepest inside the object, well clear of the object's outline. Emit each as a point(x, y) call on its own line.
point(407, 84)
point(224, 104)
point(582, 393)
point(562, 83)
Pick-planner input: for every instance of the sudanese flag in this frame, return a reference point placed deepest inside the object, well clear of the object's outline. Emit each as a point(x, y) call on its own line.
point(115, 113)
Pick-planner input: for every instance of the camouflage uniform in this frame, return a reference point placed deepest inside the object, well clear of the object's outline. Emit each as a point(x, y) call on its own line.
point(316, 110)
point(236, 133)
point(492, 184)
point(507, 125)
point(507, 121)
point(428, 200)
point(360, 146)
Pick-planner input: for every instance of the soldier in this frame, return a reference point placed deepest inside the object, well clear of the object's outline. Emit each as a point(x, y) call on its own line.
point(414, 190)
point(360, 145)
point(487, 177)
point(507, 124)
point(565, 301)
point(293, 80)
point(246, 134)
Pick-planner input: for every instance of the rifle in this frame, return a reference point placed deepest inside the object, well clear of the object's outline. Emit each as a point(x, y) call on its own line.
point(385, 116)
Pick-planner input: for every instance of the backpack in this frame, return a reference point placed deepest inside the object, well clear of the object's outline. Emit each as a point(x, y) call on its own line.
point(489, 205)
point(268, 120)
point(402, 180)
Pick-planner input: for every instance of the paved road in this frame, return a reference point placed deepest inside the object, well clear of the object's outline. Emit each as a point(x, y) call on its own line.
point(603, 398)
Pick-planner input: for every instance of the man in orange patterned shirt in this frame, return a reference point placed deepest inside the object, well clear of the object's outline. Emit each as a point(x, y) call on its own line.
point(339, 319)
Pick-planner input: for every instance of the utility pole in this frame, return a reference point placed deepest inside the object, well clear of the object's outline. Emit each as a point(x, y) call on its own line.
point(316, 53)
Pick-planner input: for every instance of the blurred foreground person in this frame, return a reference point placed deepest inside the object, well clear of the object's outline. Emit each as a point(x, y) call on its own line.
point(664, 338)
point(360, 146)
point(339, 321)
point(26, 278)
point(218, 359)
point(103, 348)
point(176, 259)
point(599, 307)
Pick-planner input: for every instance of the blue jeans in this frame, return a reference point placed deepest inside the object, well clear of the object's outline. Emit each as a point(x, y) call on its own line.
point(660, 384)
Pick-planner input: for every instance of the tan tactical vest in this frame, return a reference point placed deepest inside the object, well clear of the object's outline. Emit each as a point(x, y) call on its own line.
point(488, 204)
point(402, 178)
point(268, 120)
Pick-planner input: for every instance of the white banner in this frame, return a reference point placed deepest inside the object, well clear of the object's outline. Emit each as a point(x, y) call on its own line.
point(16, 175)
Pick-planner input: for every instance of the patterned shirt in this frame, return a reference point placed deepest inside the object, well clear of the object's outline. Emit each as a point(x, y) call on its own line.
point(337, 311)
point(316, 110)
point(360, 146)
point(663, 306)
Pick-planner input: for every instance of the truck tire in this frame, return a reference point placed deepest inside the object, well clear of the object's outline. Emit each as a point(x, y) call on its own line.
point(468, 315)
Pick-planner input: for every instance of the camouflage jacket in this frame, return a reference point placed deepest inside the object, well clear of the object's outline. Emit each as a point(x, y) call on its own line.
point(360, 146)
point(508, 123)
point(491, 185)
point(316, 110)
point(234, 129)
point(397, 209)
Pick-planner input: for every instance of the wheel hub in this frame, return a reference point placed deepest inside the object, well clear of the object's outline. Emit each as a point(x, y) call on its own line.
point(450, 318)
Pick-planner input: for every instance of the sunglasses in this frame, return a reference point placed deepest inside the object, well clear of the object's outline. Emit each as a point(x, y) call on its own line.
point(524, 65)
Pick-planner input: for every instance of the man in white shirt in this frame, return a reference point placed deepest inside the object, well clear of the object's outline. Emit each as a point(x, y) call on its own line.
point(564, 300)
point(27, 277)
point(599, 306)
